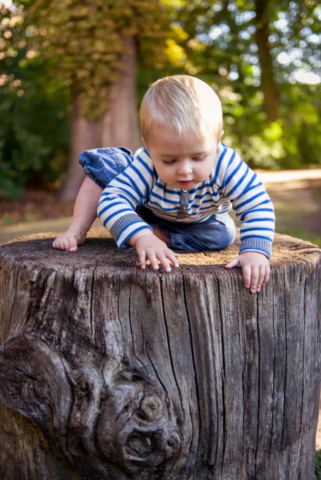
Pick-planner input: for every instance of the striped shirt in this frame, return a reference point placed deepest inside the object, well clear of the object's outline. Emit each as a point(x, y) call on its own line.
point(231, 183)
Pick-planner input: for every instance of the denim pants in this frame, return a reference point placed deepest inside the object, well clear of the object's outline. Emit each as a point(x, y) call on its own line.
point(103, 164)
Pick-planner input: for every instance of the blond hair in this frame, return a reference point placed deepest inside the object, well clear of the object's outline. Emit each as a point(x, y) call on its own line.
point(183, 103)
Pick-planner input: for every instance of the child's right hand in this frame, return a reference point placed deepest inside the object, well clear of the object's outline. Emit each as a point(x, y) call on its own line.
point(149, 246)
point(70, 239)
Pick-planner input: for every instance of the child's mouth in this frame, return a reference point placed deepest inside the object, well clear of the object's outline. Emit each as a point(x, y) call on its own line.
point(185, 182)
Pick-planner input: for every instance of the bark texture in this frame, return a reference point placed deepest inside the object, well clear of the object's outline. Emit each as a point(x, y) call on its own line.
point(118, 127)
point(268, 83)
point(120, 122)
point(109, 372)
point(84, 135)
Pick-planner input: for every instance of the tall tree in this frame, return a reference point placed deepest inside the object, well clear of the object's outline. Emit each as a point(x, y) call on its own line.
point(228, 39)
point(260, 62)
point(268, 82)
point(92, 47)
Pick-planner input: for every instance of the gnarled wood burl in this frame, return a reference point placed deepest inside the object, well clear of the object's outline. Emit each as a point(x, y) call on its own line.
point(110, 372)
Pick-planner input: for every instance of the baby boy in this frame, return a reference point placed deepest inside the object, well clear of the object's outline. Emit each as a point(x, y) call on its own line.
point(175, 193)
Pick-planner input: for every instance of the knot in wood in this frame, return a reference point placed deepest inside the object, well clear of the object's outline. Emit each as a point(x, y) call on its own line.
point(150, 408)
point(132, 374)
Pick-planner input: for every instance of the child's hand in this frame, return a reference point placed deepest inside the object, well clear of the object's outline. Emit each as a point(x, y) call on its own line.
point(255, 269)
point(70, 239)
point(151, 247)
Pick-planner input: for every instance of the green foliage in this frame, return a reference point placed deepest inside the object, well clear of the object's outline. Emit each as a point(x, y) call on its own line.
point(317, 472)
point(294, 141)
point(59, 49)
point(221, 48)
point(33, 127)
point(51, 52)
point(84, 41)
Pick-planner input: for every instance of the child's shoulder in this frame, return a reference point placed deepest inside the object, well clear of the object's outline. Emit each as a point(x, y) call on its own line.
point(223, 148)
point(142, 158)
point(143, 154)
point(225, 156)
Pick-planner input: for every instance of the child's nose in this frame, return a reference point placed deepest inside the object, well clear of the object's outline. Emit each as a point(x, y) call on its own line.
point(184, 168)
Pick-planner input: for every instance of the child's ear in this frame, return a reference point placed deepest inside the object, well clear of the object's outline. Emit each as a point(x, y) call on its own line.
point(222, 133)
point(144, 142)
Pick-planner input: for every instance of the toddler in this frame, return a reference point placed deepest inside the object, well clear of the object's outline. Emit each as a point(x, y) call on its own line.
point(175, 193)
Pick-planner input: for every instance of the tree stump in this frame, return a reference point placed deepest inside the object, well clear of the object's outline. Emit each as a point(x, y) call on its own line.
point(110, 372)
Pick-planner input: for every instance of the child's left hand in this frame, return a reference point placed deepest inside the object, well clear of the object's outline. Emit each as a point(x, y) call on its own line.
point(255, 269)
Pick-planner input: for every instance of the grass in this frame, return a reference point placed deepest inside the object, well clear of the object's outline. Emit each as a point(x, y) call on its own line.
point(299, 233)
point(317, 471)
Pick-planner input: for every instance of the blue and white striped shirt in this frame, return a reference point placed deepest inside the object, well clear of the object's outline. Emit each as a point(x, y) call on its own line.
point(231, 183)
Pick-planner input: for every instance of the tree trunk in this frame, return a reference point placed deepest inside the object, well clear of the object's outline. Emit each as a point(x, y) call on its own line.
point(268, 83)
point(84, 135)
point(118, 127)
point(120, 122)
point(131, 374)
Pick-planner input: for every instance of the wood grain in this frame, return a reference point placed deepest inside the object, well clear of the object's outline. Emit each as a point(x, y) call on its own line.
point(110, 372)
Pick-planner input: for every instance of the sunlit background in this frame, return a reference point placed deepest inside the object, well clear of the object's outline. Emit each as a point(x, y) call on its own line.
point(69, 71)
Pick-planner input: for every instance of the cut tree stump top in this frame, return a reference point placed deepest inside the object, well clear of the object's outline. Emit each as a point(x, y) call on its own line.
point(99, 249)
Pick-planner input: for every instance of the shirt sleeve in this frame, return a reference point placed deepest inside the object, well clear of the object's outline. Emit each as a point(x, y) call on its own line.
point(253, 206)
point(117, 204)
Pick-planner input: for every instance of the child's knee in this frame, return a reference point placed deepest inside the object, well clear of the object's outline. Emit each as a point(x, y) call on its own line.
point(228, 236)
point(218, 235)
point(102, 165)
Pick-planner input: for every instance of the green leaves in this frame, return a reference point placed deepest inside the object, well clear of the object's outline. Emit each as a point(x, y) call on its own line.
point(85, 41)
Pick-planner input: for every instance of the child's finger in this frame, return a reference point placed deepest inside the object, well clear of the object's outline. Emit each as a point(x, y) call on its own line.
point(58, 245)
point(142, 258)
point(72, 243)
point(246, 270)
point(153, 260)
point(266, 276)
point(163, 259)
point(233, 263)
point(260, 279)
point(173, 258)
point(254, 279)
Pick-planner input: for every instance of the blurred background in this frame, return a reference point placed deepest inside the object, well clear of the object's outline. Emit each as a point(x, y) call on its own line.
point(73, 72)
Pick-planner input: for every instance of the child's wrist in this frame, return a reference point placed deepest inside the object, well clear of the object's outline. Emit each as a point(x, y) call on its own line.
point(79, 228)
point(142, 233)
point(255, 251)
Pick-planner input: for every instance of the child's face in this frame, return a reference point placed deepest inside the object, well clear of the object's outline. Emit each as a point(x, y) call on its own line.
point(182, 162)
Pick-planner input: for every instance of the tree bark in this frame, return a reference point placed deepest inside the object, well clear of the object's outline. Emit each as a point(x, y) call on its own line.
point(118, 127)
point(84, 135)
point(268, 84)
point(131, 374)
point(120, 122)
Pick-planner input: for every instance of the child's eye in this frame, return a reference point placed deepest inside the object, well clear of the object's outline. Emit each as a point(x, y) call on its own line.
point(169, 162)
point(199, 159)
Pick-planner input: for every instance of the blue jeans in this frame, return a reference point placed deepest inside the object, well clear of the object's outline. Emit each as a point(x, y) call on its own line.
point(104, 164)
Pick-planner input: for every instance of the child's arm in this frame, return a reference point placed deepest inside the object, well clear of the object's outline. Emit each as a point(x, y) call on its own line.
point(116, 210)
point(255, 210)
point(85, 213)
